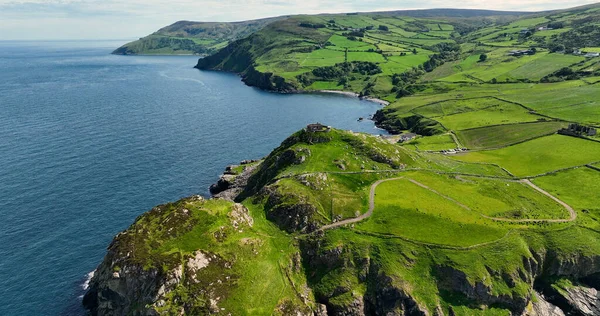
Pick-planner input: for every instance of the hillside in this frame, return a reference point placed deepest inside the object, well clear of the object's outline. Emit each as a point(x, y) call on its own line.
point(187, 38)
point(339, 223)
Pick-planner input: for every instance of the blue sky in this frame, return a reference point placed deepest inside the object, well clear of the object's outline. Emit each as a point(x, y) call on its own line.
point(126, 19)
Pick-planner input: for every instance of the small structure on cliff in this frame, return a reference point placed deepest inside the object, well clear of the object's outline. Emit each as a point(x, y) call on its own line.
point(314, 128)
point(575, 129)
point(407, 137)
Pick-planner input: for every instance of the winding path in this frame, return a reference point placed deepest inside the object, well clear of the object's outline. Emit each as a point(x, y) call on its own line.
point(365, 215)
point(572, 212)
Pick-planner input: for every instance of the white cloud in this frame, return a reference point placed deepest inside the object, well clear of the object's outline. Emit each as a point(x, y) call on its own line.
point(91, 19)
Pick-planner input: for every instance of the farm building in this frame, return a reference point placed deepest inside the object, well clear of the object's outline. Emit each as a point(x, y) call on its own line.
point(406, 137)
point(521, 52)
point(575, 129)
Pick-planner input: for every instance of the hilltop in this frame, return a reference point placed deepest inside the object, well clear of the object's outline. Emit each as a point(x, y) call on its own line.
point(192, 38)
point(206, 38)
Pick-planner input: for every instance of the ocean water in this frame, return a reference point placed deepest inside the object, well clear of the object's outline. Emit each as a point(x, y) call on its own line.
point(89, 141)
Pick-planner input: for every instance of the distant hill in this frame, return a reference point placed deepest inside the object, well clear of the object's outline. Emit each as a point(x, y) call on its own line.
point(205, 38)
point(192, 38)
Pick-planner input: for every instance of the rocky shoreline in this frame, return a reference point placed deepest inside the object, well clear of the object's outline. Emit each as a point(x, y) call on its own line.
point(352, 94)
point(232, 182)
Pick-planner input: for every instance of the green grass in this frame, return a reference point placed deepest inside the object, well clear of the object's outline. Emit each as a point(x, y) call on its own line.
point(319, 58)
point(432, 143)
point(494, 197)
point(543, 66)
point(366, 56)
point(505, 135)
point(407, 210)
point(529, 22)
point(505, 113)
point(343, 42)
point(540, 155)
point(591, 49)
point(325, 85)
point(578, 187)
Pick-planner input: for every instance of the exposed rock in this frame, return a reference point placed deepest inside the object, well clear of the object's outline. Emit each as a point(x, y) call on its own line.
point(321, 310)
point(197, 262)
point(240, 216)
point(456, 280)
point(290, 211)
point(316, 181)
point(224, 183)
point(541, 307)
point(231, 185)
point(583, 300)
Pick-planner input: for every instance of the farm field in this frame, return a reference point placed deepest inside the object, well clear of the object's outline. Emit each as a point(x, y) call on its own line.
point(495, 115)
point(502, 67)
point(540, 155)
point(498, 198)
point(432, 143)
point(505, 135)
point(439, 206)
point(578, 187)
point(407, 210)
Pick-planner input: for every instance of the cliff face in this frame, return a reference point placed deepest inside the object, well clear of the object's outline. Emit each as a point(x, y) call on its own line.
point(239, 57)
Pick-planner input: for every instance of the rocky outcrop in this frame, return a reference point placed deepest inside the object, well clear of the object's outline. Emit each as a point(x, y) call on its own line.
point(232, 183)
point(290, 211)
point(583, 300)
point(268, 170)
point(392, 298)
point(385, 294)
point(396, 123)
point(541, 307)
point(455, 280)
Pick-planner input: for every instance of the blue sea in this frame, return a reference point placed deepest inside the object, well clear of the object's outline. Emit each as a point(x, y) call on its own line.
point(89, 141)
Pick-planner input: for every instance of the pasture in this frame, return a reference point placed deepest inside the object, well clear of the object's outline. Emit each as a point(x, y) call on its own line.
point(505, 135)
point(540, 155)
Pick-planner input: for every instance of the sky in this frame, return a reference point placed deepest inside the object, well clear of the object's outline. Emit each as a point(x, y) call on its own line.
point(129, 19)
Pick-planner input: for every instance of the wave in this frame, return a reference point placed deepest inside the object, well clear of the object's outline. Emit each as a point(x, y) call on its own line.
point(86, 284)
point(164, 74)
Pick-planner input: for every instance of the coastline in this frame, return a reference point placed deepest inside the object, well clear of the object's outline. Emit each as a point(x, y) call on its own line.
point(352, 94)
point(381, 102)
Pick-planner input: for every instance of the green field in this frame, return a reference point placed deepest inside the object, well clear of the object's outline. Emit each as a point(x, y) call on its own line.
point(540, 155)
point(495, 115)
point(407, 210)
point(505, 135)
point(578, 187)
point(432, 143)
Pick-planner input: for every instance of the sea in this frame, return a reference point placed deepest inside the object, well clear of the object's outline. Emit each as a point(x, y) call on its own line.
point(89, 141)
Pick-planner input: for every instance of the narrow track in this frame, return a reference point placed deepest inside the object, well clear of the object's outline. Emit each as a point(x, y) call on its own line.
point(572, 212)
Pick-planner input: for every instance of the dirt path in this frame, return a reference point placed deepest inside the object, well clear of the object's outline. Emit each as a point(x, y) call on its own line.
point(572, 212)
point(365, 215)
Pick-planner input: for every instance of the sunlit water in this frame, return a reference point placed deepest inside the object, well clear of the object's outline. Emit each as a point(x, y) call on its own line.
point(89, 141)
